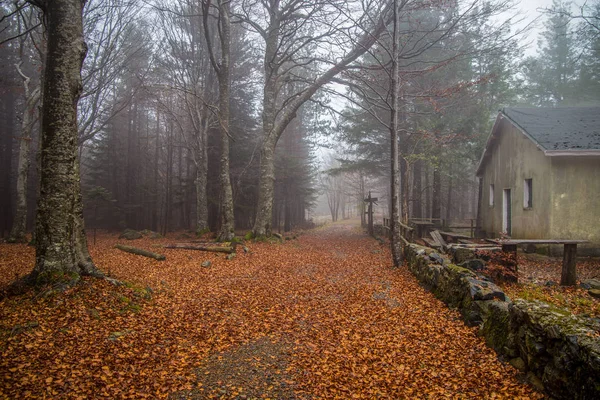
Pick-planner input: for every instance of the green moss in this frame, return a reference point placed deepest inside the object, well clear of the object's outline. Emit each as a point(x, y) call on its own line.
point(134, 308)
point(57, 276)
point(249, 236)
point(202, 231)
point(124, 299)
point(462, 270)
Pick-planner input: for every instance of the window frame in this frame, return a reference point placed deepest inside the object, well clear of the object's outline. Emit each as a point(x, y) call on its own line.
point(528, 193)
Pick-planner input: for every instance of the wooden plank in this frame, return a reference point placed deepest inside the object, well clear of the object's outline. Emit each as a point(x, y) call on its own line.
point(455, 235)
point(568, 276)
point(432, 243)
point(438, 238)
point(537, 241)
point(465, 241)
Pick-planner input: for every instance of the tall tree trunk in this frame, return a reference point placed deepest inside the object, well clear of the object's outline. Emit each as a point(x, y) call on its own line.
point(17, 234)
point(436, 203)
point(427, 210)
point(405, 174)
point(417, 188)
point(6, 148)
point(169, 180)
point(202, 178)
point(396, 245)
point(180, 197)
point(61, 248)
point(223, 71)
point(449, 198)
point(155, 194)
point(361, 203)
point(227, 231)
point(266, 183)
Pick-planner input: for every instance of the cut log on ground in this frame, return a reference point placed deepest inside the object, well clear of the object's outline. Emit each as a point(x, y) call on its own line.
point(188, 246)
point(140, 252)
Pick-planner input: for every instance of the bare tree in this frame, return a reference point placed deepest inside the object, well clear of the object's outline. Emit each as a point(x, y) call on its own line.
point(28, 17)
point(61, 245)
point(298, 37)
point(32, 96)
point(222, 68)
point(109, 28)
point(184, 61)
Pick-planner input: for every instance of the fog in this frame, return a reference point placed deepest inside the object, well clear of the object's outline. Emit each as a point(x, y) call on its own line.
point(183, 128)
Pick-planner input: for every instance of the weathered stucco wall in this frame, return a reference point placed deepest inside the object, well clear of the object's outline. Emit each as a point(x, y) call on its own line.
point(559, 352)
point(576, 200)
point(513, 159)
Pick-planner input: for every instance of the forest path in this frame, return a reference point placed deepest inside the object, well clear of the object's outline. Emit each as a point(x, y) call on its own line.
point(319, 317)
point(338, 322)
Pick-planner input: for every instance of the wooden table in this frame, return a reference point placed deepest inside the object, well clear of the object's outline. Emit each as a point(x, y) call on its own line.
point(568, 276)
point(422, 227)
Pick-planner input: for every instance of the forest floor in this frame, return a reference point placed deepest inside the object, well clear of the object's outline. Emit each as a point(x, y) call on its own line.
point(539, 278)
point(321, 317)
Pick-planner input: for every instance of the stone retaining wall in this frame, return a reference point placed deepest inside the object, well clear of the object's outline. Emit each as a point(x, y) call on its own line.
point(559, 352)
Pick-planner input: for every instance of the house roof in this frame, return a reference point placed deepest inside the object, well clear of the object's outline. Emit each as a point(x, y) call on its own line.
point(561, 131)
point(564, 128)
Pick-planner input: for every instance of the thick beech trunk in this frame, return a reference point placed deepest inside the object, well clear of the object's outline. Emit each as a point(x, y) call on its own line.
point(61, 248)
point(266, 184)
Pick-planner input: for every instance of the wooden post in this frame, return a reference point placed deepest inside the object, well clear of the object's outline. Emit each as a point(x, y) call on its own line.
point(370, 200)
point(568, 276)
point(472, 228)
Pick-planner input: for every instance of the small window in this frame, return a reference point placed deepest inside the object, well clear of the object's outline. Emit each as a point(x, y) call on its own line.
point(492, 195)
point(528, 193)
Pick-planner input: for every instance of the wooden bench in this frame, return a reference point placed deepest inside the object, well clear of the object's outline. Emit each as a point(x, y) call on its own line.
point(568, 276)
point(454, 236)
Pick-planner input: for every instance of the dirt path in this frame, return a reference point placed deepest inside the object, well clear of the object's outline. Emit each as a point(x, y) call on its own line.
point(320, 317)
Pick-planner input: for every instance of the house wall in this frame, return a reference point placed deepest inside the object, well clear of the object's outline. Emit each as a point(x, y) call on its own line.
point(576, 200)
point(514, 158)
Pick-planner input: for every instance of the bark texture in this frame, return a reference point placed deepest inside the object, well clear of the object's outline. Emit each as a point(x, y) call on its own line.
point(61, 246)
point(396, 242)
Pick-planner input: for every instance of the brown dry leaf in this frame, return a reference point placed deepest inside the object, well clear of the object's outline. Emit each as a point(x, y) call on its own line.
point(324, 316)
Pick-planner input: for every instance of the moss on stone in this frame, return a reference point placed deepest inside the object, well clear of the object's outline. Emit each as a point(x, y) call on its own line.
point(460, 270)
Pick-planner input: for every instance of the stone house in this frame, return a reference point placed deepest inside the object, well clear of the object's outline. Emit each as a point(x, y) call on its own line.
point(540, 175)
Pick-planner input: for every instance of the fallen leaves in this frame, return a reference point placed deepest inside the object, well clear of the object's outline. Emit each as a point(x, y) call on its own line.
point(320, 317)
point(538, 280)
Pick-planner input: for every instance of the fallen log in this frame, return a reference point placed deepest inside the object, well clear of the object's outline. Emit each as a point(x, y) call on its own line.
point(140, 252)
point(187, 246)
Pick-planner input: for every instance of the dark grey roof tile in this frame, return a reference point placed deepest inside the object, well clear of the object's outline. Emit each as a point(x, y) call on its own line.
point(561, 128)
